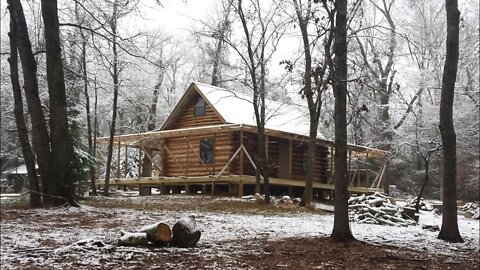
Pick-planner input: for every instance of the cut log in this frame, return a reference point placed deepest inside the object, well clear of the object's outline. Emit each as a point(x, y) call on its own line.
point(133, 239)
point(185, 232)
point(159, 233)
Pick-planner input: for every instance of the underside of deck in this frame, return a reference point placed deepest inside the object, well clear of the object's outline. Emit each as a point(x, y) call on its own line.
point(211, 181)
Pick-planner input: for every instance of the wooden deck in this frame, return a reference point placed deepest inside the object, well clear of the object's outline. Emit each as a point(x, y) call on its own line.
point(151, 182)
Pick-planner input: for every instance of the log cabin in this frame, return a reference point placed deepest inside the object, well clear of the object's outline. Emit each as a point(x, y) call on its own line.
point(208, 144)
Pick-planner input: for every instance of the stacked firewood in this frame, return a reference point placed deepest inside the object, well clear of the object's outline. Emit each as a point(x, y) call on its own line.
point(183, 234)
point(471, 210)
point(377, 209)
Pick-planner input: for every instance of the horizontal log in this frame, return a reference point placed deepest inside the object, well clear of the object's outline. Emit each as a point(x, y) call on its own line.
point(133, 239)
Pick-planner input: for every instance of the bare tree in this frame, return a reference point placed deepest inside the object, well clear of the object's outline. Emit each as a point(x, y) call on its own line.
point(114, 73)
point(40, 137)
point(315, 80)
point(28, 155)
point(449, 231)
point(61, 142)
point(341, 226)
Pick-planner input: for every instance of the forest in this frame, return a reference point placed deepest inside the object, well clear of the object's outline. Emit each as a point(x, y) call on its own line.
point(399, 76)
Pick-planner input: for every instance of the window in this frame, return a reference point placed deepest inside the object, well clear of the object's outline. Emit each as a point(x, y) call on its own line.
point(206, 150)
point(199, 109)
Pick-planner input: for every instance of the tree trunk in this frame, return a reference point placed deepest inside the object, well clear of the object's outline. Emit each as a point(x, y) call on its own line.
point(61, 144)
point(425, 182)
point(341, 227)
point(133, 239)
point(28, 156)
point(449, 231)
point(91, 167)
point(159, 233)
point(114, 73)
point(185, 232)
point(40, 138)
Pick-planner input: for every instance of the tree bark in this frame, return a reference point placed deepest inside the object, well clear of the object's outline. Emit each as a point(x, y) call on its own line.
point(185, 232)
point(449, 231)
point(422, 188)
point(28, 156)
point(341, 227)
point(115, 74)
point(40, 137)
point(61, 183)
point(159, 233)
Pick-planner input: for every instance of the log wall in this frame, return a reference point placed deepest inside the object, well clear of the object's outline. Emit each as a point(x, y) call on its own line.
point(184, 153)
point(186, 119)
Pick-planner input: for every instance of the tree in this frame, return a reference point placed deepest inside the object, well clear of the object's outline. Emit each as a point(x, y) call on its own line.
point(341, 226)
point(61, 182)
point(40, 137)
point(380, 71)
point(256, 61)
point(28, 155)
point(315, 80)
point(449, 231)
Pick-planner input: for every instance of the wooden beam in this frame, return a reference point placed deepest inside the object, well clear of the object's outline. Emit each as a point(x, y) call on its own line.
point(126, 162)
point(140, 160)
point(241, 153)
point(150, 158)
point(188, 156)
point(118, 161)
point(228, 163)
point(366, 169)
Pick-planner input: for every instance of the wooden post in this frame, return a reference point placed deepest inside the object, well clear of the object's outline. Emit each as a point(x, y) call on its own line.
point(187, 188)
point(240, 189)
point(350, 166)
point(140, 160)
point(213, 188)
point(359, 170)
point(118, 161)
point(188, 156)
point(126, 161)
point(163, 157)
point(366, 170)
point(214, 142)
point(241, 152)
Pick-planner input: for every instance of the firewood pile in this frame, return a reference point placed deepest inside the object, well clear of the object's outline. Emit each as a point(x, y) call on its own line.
point(183, 234)
point(377, 209)
point(471, 210)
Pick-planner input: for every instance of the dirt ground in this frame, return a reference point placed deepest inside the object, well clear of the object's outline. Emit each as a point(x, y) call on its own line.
point(261, 252)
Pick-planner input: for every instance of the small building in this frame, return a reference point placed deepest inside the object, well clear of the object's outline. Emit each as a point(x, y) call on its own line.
point(208, 144)
point(15, 180)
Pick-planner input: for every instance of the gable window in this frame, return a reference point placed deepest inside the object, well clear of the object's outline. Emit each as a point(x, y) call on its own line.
point(199, 109)
point(206, 150)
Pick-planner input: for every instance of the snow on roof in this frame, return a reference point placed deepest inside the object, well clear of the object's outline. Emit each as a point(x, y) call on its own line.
point(237, 108)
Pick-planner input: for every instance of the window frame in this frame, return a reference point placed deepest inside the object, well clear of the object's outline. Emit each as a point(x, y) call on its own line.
point(207, 155)
point(200, 107)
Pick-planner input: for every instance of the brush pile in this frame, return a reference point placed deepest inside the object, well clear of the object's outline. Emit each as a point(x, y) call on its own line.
point(377, 209)
point(423, 205)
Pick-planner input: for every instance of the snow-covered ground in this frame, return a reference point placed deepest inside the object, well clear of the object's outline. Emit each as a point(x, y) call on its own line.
point(28, 232)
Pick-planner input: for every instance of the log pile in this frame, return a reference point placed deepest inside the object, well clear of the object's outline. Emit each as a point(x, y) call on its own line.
point(471, 210)
point(377, 209)
point(184, 233)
